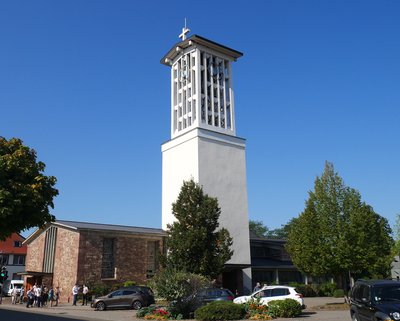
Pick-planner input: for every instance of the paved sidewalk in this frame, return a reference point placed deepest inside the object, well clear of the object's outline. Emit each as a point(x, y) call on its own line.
point(67, 310)
point(311, 313)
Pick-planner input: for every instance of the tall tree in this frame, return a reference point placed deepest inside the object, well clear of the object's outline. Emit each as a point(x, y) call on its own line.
point(337, 233)
point(261, 230)
point(26, 194)
point(258, 228)
point(194, 242)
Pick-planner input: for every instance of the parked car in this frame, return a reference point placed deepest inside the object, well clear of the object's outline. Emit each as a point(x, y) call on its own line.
point(273, 292)
point(205, 296)
point(121, 298)
point(146, 291)
point(375, 300)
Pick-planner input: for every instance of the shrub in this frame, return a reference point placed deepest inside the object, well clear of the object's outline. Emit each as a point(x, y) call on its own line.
point(127, 284)
point(288, 308)
point(327, 289)
point(338, 293)
point(255, 310)
point(99, 289)
point(220, 310)
point(179, 288)
point(305, 289)
point(145, 311)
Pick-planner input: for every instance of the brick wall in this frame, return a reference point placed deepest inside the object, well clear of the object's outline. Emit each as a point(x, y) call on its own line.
point(130, 257)
point(66, 261)
point(35, 253)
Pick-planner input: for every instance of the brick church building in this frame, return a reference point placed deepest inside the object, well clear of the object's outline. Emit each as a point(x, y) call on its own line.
point(64, 253)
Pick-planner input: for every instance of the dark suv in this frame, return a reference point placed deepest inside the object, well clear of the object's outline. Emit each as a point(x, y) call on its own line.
point(377, 300)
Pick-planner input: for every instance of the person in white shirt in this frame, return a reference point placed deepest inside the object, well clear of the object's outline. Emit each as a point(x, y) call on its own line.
point(85, 292)
point(75, 291)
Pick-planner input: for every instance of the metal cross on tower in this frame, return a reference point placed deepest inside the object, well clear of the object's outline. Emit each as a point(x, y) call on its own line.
point(185, 31)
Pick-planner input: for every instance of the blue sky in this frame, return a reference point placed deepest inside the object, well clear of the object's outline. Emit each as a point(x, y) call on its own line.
point(81, 83)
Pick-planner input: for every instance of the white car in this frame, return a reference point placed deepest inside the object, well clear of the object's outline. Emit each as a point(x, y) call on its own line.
point(273, 292)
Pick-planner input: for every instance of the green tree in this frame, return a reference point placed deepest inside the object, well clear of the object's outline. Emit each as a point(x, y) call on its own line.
point(261, 230)
point(26, 194)
point(258, 228)
point(193, 242)
point(337, 233)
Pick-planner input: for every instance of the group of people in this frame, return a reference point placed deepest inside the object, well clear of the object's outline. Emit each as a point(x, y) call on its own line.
point(75, 292)
point(40, 295)
point(17, 296)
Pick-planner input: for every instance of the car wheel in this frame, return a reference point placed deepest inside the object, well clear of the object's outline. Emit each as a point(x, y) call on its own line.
point(137, 305)
point(101, 306)
point(354, 317)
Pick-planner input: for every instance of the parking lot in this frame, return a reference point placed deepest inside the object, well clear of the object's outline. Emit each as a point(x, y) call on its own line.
point(312, 313)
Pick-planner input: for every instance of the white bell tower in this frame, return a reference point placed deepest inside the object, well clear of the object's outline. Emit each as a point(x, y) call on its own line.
point(204, 145)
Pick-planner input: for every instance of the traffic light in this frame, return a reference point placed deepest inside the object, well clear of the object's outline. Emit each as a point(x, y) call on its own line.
point(3, 274)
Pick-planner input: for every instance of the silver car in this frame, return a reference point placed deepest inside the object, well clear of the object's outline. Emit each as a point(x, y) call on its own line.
point(122, 298)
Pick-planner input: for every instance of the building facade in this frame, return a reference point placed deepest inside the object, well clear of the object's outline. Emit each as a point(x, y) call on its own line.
point(12, 256)
point(66, 253)
point(204, 146)
point(270, 263)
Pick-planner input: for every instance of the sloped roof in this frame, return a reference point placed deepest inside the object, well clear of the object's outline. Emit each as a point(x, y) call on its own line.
point(79, 226)
point(196, 39)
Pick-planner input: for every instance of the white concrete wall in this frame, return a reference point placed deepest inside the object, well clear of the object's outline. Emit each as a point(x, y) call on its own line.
point(179, 163)
point(217, 162)
point(223, 175)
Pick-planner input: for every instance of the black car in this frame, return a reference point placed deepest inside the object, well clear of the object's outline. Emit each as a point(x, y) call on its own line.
point(377, 300)
point(205, 296)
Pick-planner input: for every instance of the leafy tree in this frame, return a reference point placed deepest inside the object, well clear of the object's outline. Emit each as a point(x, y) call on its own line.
point(259, 229)
point(193, 242)
point(25, 192)
point(337, 233)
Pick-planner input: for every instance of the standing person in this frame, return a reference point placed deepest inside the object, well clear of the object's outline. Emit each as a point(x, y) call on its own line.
point(44, 296)
point(257, 287)
point(85, 292)
point(38, 296)
point(58, 293)
point(75, 291)
point(51, 296)
point(21, 295)
point(14, 296)
point(30, 297)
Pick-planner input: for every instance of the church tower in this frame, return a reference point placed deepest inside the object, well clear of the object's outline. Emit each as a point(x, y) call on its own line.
point(204, 146)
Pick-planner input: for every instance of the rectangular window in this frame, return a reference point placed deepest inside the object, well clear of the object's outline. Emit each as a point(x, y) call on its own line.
point(19, 260)
point(3, 259)
point(108, 260)
point(17, 244)
point(153, 251)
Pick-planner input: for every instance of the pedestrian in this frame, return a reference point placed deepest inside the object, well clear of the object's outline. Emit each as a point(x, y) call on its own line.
point(51, 296)
point(21, 295)
point(30, 298)
point(58, 294)
point(14, 295)
point(85, 292)
point(45, 296)
point(75, 291)
point(257, 287)
point(38, 296)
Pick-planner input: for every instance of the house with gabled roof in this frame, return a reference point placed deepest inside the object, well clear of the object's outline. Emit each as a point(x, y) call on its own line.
point(65, 253)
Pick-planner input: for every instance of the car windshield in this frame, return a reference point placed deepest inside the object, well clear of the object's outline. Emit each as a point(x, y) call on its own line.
point(389, 293)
